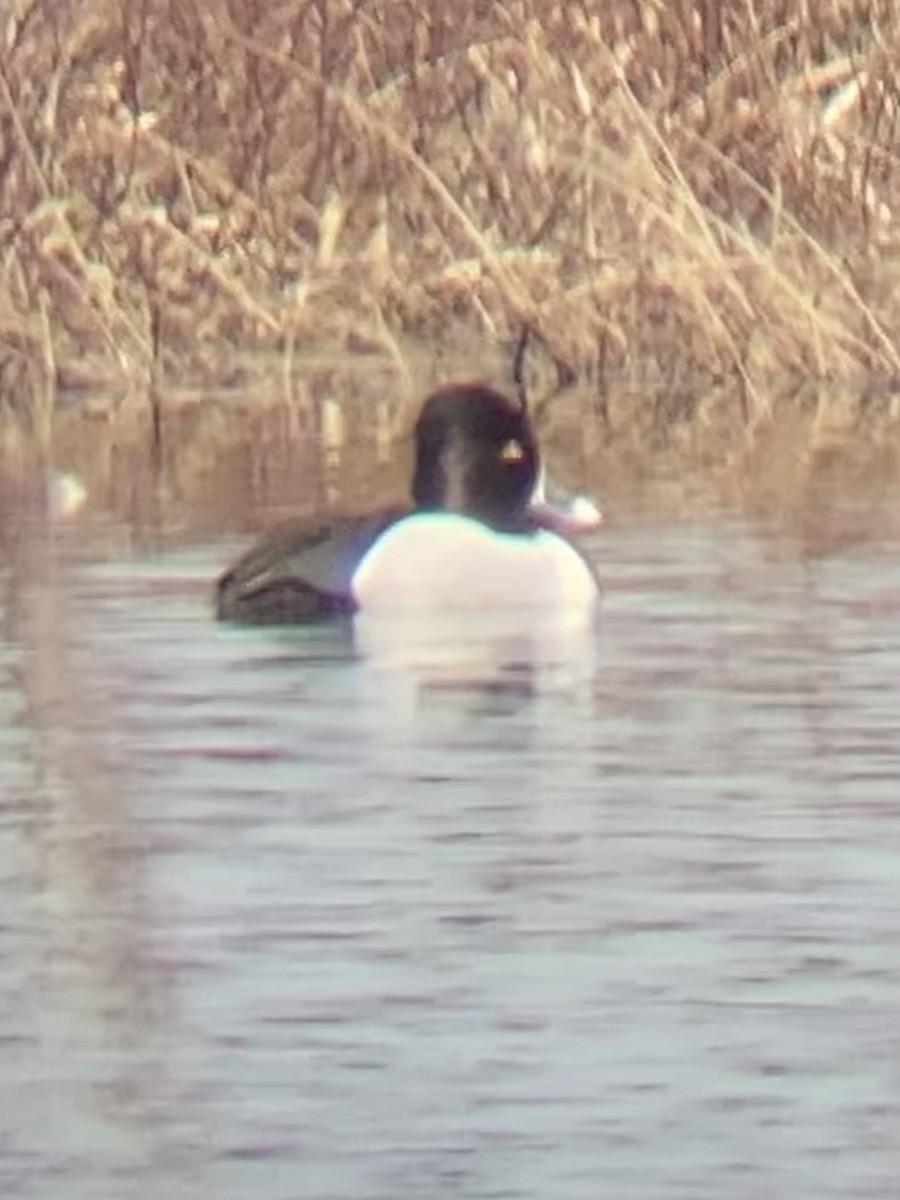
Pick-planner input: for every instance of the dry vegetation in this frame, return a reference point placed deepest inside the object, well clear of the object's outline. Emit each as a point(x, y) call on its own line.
point(694, 206)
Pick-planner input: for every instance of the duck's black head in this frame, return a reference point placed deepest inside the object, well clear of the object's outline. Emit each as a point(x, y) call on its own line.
point(475, 454)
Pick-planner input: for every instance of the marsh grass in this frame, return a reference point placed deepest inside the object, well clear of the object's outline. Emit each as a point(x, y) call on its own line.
point(692, 206)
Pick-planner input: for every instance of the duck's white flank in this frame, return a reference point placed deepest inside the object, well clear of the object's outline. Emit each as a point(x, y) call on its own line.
point(434, 562)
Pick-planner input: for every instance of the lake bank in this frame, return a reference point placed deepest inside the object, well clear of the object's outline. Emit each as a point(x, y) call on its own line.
point(199, 463)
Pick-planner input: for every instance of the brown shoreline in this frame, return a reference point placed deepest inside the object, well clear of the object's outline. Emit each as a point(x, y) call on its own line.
point(696, 217)
point(230, 461)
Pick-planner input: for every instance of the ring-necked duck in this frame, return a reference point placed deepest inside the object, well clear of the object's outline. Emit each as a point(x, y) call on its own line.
point(481, 532)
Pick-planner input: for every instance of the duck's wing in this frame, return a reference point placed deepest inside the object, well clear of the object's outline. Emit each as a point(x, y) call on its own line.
point(299, 571)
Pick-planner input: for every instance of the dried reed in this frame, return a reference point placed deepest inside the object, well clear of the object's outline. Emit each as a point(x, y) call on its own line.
point(693, 206)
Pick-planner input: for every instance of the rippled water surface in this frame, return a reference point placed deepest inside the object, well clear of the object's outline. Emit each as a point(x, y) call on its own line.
point(275, 923)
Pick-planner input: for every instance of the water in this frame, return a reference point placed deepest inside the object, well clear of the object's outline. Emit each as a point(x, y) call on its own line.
point(277, 923)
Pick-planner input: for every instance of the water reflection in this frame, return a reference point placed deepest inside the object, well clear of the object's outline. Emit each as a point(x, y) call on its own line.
point(281, 922)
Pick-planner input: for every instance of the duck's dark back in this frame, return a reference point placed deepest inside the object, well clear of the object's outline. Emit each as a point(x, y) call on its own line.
point(300, 571)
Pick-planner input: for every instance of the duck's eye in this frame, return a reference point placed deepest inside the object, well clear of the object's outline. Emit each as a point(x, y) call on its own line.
point(511, 451)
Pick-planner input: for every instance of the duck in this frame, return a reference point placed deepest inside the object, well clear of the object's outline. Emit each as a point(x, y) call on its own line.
point(482, 532)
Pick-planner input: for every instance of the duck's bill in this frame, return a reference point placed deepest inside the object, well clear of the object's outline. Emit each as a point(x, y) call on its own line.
point(563, 512)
